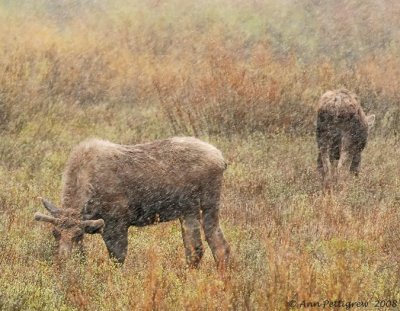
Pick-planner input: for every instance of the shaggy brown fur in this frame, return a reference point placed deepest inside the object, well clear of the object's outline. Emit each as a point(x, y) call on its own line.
point(342, 132)
point(140, 185)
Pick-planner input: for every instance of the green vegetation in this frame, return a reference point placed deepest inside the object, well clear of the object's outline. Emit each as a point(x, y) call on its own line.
point(245, 76)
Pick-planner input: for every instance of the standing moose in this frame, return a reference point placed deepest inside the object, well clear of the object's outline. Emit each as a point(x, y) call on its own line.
point(109, 187)
point(342, 132)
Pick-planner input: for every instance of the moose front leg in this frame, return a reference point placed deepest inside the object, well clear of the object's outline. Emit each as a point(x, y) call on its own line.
point(355, 163)
point(115, 236)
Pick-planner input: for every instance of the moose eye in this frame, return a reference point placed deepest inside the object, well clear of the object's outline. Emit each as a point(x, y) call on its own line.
point(56, 234)
point(78, 235)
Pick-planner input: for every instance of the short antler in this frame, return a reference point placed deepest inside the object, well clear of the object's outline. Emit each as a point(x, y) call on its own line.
point(46, 218)
point(50, 207)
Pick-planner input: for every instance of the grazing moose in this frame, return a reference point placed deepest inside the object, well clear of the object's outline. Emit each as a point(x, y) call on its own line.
point(342, 132)
point(108, 187)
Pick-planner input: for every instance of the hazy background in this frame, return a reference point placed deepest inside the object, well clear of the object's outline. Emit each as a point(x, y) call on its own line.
point(244, 62)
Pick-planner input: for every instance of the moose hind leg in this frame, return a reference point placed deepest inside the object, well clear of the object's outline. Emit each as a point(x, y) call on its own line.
point(346, 154)
point(215, 238)
point(327, 169)
point(116, 239)
point(191, 234)
point(325, 133)
point(320, 166)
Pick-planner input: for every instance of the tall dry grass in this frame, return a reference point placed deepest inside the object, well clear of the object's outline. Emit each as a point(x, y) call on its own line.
point(214, 68)
point(242, 75)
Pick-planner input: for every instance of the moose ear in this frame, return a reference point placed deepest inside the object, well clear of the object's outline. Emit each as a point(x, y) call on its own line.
point(371, 120)
point(93, 226)
point(50, 207)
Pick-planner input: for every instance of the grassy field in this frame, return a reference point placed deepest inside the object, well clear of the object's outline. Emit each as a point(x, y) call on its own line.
point(244, 76)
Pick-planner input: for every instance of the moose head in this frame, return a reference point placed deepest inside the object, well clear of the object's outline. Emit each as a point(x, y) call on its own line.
point(69, 228)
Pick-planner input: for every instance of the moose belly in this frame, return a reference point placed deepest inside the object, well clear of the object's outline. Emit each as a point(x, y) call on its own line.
point(160, 209)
